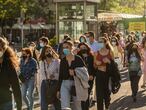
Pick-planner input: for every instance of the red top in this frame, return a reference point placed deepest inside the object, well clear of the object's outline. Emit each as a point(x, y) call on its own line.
point(100, 58)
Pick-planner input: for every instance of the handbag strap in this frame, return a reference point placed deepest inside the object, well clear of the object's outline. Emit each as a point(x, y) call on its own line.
point(45, 71)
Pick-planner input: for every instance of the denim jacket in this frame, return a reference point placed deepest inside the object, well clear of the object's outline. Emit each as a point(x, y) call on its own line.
point(29, 69)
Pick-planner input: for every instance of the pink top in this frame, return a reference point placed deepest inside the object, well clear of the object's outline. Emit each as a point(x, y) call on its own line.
point(144, 62)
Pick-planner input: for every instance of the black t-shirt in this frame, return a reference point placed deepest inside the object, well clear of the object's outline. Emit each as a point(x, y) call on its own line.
point(64, 68)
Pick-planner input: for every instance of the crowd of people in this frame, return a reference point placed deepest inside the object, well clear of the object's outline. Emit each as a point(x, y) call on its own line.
point(65, 78)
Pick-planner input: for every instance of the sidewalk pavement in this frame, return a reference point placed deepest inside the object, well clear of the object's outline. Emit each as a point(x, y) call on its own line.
point(122, 100)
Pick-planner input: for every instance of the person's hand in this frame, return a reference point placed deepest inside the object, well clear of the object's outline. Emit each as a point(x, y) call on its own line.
point(71, 72)
point(106, 60)
point(58, 95)
point(91, 78)
point(52, 76)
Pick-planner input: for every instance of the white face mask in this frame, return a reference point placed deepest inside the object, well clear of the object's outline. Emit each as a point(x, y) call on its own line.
point(42, 44)
point(1, 54)
point(114, 43)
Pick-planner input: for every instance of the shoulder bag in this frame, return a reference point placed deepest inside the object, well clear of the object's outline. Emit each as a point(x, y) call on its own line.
point(51, 88)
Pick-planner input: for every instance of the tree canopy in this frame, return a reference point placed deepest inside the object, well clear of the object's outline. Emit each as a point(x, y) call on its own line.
point(123, 6)
point(10, 10)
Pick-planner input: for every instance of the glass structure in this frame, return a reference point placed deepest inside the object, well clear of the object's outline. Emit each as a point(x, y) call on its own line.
point(75, 17)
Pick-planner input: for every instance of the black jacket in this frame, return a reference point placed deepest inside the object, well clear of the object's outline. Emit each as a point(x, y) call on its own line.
point(9, 83)
point(114, 74)
point(64, 69)
point(89, 61)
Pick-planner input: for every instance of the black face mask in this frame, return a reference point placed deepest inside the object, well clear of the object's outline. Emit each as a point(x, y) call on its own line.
point(24, 57)
point(134, 49)
point(49, 55)
point(83, 51)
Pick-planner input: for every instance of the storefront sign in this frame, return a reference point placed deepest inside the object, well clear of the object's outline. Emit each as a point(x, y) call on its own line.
point(137, 26)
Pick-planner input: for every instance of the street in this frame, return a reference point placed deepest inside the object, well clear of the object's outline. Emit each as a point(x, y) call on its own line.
point(122, 100)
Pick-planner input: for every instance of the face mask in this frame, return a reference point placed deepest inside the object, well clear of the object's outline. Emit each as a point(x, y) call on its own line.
point(1, 54)
point(24, 57)
point(114, 43)
point(83, 51)
point(101, 45)
point(42, 45)
point(49, 55)
point(88, 41)
point(66, 51)
point(82, 40)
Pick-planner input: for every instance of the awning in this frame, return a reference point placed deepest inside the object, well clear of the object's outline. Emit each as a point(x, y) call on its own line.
point(32, 26)
point(130, 16)
point(35, 26)
point(116, 16)
point(18, 26)
point(109, 17)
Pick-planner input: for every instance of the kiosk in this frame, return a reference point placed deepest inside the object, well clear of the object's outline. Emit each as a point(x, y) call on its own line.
point(75, 17)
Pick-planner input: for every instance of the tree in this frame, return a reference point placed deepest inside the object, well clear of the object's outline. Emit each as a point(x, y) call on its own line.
point(9, 10)
point(123, 6)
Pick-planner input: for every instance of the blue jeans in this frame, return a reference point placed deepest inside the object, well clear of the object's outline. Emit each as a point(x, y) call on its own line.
point(27, 93)
point(66, 96)
point(6, 106)
point(44, 104)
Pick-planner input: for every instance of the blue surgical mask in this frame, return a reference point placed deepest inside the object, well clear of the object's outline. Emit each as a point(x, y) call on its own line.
point(66, 51)
point(82, 40)
point(100, 45)
point(88, 41)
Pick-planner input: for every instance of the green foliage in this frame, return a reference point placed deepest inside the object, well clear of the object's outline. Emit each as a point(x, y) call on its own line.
point(123, 6)
point(53, 41)
point(9, 8)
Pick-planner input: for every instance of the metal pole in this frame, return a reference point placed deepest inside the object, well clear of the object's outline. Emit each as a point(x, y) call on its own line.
point(22, 27)
point(144, 8)
point(57, 35)
point(84, 17)
point(22, 36)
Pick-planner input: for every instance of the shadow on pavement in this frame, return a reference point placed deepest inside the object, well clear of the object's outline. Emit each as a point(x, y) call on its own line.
point(126, 103)
point(124, 76)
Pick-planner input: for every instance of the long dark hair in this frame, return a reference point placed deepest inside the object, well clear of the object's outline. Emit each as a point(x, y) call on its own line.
point(143, 42)
point(87, 46)
point(43, 56)
point(28, 51)
point(131, 51)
